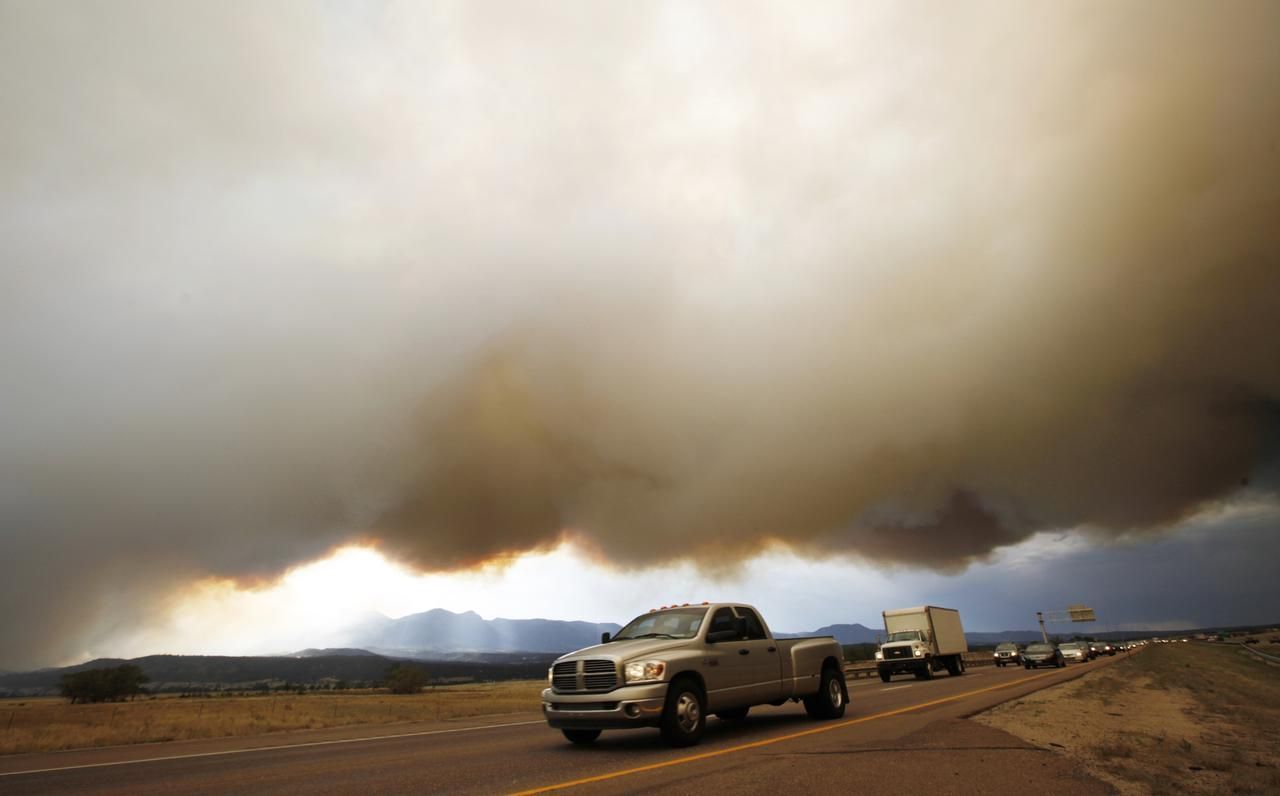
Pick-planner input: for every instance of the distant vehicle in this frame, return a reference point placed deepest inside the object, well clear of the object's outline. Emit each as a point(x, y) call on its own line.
point(1095, 649)
point(1251, 640)
point(1007, 653)
point(1037, 655)
point(1106, 648)
point(669, 668)
point(1074, 652)
point(921, 641)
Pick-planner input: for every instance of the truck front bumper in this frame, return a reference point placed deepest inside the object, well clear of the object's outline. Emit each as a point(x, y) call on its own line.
point(619, 709)
point(903, 665)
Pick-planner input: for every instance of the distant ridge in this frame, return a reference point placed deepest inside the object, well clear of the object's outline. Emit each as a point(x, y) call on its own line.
point(845, 634)
point(439, 630)
point(188, 673)
point(312, 652)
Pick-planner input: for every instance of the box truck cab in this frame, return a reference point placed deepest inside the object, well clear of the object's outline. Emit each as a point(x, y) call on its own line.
point(921, 641)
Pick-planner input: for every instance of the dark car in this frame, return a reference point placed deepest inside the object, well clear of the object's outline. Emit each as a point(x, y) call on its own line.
point(1006, 654)
point(1037, 655)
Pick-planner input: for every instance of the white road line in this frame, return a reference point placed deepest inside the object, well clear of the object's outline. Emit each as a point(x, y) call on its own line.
point(271, 748)
point(896, 688)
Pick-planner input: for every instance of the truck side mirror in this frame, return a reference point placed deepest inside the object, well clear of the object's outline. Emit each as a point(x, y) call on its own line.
point(604, 637)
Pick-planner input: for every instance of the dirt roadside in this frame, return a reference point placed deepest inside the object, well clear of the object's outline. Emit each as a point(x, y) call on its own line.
point(1175, 718)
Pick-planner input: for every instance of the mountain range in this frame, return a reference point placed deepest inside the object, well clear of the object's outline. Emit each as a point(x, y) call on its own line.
point(437, 632)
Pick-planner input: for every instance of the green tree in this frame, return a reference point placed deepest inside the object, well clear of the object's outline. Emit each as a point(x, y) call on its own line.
point(104, 685)
point(405, 678)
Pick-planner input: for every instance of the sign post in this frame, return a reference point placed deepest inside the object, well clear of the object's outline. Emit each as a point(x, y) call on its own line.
point(1074, 613)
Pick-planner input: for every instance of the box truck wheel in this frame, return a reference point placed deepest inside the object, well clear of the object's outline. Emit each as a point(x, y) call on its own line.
point(884, 675)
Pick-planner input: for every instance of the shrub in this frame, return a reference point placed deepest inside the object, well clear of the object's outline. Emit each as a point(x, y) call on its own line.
point(405, 678)
point(104, 685)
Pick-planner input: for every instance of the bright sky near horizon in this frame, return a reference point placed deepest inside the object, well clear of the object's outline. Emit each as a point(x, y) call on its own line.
point(1178, 578)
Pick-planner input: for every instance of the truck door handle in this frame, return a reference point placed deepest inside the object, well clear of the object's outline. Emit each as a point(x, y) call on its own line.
point(744, 652)
point(773, 649)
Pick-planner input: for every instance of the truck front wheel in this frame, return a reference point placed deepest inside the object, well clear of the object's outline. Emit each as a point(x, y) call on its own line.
point(831, 698)
point(884, 675)
point(684, 716)
point(581, 736)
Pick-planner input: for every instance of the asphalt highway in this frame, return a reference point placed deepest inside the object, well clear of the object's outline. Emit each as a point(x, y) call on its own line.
point(776, 749)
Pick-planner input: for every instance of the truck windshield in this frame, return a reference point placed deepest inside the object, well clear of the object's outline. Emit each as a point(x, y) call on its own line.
point(905, 635)
point(673, 623)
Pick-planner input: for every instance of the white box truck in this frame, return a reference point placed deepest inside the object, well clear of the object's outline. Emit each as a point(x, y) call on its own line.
point(921, 641)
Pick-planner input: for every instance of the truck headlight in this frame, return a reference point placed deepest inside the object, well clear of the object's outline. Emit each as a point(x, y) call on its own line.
point(551, 679)
point(644, 671)
point(879, 655)
point(918, 652)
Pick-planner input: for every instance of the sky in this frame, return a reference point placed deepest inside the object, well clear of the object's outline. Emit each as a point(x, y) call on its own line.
point(507, 307)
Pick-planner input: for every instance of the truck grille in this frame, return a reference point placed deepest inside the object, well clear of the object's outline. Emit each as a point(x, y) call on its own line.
point(897, 652)
point(596, 674)
point(564, 676)
point(583, 706)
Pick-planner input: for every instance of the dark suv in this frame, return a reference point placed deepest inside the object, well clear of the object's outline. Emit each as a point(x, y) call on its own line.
point(1007, 654)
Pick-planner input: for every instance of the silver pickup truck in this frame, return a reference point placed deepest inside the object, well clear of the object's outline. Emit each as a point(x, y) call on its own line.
point(669, 668)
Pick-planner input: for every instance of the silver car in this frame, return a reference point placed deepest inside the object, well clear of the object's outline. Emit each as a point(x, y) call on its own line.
point(1074, 652)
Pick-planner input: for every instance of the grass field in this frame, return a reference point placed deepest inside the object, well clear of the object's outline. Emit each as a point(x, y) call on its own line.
point(45, 724)
point(1173, 719)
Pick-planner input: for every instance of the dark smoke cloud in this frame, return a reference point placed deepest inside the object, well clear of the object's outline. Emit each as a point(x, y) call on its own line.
point(904, 284)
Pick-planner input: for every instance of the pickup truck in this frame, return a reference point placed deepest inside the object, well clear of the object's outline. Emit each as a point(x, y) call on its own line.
point(670, 667)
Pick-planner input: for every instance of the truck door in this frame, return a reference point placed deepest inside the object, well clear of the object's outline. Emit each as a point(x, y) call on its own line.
point(742, 670)
point(761, 659)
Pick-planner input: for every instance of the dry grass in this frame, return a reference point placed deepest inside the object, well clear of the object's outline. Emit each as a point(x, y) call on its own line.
point(1177, 718)
point(46, 724)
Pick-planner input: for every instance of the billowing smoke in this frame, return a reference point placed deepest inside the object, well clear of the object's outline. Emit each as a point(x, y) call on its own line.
point(899, 283)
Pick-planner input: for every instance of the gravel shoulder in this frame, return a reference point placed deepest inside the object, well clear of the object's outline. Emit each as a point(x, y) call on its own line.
point(1175, 718)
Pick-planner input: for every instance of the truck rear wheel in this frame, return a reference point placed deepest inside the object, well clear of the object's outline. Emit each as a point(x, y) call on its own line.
point(684, 716)
point(737, 714)
point(581, 736)
point(832, 696)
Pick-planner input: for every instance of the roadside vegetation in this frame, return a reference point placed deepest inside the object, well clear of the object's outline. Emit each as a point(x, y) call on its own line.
point(104, 685)
point(1173, 719)
point(49, 723)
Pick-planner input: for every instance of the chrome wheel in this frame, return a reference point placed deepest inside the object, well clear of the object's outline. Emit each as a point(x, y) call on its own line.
point(688, 712)
point(835, 694)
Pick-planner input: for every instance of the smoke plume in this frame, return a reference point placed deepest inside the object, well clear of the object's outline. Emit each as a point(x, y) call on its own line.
point(678, 281)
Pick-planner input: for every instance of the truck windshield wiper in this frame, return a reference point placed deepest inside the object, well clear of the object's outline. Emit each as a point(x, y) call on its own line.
point(653, 635)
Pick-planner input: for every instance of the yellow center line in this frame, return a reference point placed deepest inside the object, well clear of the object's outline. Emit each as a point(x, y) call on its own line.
point(770, 741)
